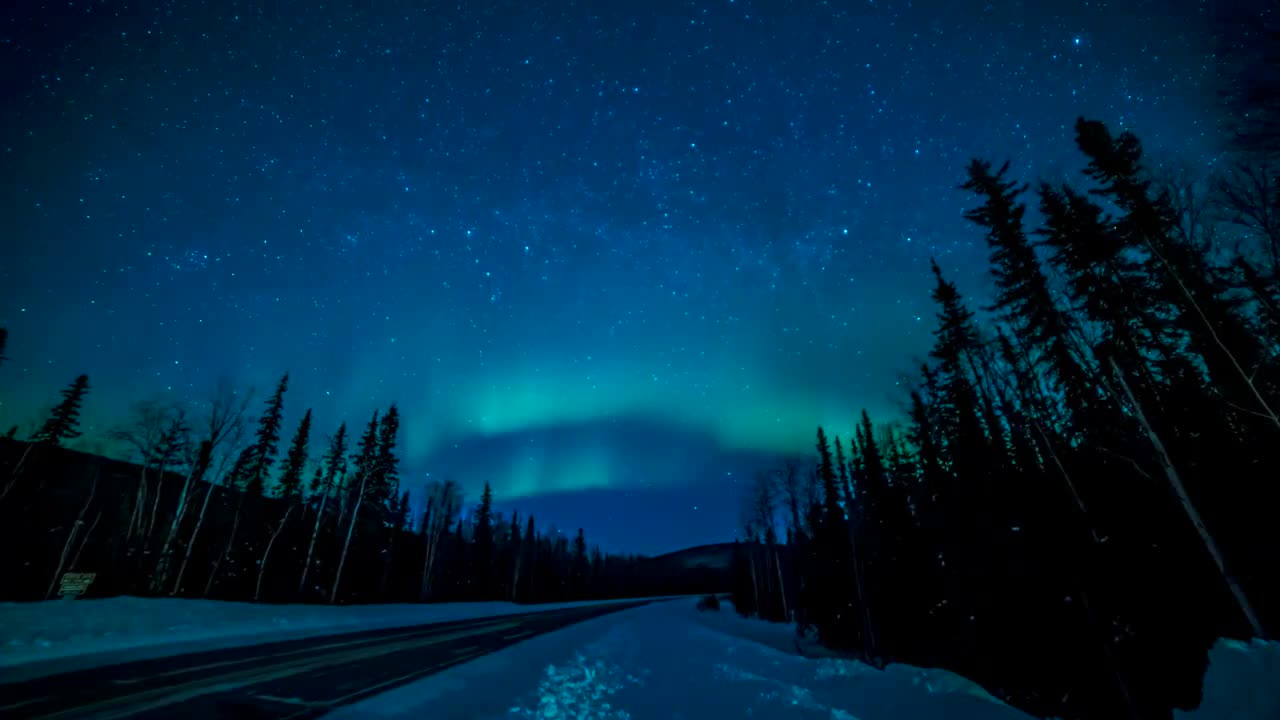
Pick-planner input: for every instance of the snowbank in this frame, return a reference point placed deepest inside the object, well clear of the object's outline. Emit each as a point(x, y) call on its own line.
point(670, 661)
point(1243, 682)
point(63, 635)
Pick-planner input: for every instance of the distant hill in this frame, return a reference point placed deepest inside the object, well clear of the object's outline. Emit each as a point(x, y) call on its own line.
point(713, 557)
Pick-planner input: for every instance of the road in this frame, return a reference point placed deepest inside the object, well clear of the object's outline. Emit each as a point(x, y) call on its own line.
point(293, 679)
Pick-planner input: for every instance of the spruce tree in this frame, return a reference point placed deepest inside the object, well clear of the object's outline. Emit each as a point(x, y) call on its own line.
point(4, 339)
point(831, 587)
point(335, 460)
point(845, 477)
point(403, 521)
point(358, 492)
point(324, 485)
point(515, 556)
point(827, 475)
point(529, 548)
point(296, 460)
point(64, 420)
point(956, 401)
point(317, 481)
point(1022, 289)
point(265, 443)
point(483, 544)
point(384, 485)
point(365, 462)
point(1184, 279)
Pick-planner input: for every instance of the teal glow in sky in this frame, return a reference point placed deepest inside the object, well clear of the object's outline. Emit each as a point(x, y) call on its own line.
point(610, 257)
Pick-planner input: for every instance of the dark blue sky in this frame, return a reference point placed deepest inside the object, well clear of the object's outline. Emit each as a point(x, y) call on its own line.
point(609, 256)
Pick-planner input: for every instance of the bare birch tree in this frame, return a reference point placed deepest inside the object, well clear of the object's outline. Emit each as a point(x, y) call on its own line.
point(1180, 490)
point(1247, 196)
point(443, 502)
point(72, 532)
point(143, 433)
point(232, 430)
point(266, 554)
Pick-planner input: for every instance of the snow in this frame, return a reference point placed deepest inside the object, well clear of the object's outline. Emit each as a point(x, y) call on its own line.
point(1243, 682)
point(663, 660)
point(43, 638)
point(670, 661)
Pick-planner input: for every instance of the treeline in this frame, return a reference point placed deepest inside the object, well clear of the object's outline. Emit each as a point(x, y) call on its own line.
point(1083, 499)
point(214, 509)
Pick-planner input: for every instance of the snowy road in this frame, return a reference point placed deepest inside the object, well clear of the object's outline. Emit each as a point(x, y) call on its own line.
point(293, 679)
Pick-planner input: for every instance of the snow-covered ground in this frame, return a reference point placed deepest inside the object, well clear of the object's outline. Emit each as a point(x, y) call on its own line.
point(665, 660)
point(670, 661)
point(62, 635)
point(1243, 683)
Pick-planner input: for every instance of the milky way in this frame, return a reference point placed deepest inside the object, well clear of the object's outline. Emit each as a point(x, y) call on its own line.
point(609, 256)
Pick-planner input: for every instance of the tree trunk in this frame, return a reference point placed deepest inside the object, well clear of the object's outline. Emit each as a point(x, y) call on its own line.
point(231, 539)
point(755, 588)
point(71, 537)
point(315, 533)
point(343, 500)
point(868, 632)
point(139, 503)
point(429, 548)
point(166, 549)
point(515, 575)
point(84, 542)
point(155, 504)
point(17, 470)
point(266, 554)
point(195, 532)
point(782, 587)
point(1266, 410)
point(1171, 473)
point(386, 565)
point(346, 545)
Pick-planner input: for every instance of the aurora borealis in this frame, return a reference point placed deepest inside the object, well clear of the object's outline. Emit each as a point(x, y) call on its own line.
point(610, 257)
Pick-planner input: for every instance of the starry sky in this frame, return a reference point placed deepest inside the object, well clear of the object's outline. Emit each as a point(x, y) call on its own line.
point(611, 257)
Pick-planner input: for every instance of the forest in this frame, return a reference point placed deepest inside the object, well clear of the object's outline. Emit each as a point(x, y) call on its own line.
point(1082, 498)
point(214, 509)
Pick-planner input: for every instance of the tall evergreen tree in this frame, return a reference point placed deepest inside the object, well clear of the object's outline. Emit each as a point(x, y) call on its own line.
point(63, 422)
point(4, 339)
point(529, 546)
point(1183, 277)
point(254, 477)
point(831, 590)
point(845, 477)
point(1023, 296)
point(384, 484)
point(956, 401)
point(581, 567)
point(358, 492)
point(364, 464)
point(483, 543)
point(335, 460)
point(296, 460)
point(515, 553)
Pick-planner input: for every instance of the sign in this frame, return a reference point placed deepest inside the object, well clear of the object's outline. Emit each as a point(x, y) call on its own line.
point(75, 584)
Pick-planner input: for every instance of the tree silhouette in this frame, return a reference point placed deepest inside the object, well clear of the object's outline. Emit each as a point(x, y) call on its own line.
point(63, 422)
point(263, 451)
point(296, 460)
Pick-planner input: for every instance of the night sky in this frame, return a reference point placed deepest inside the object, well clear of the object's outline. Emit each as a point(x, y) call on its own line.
point(610, 256)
